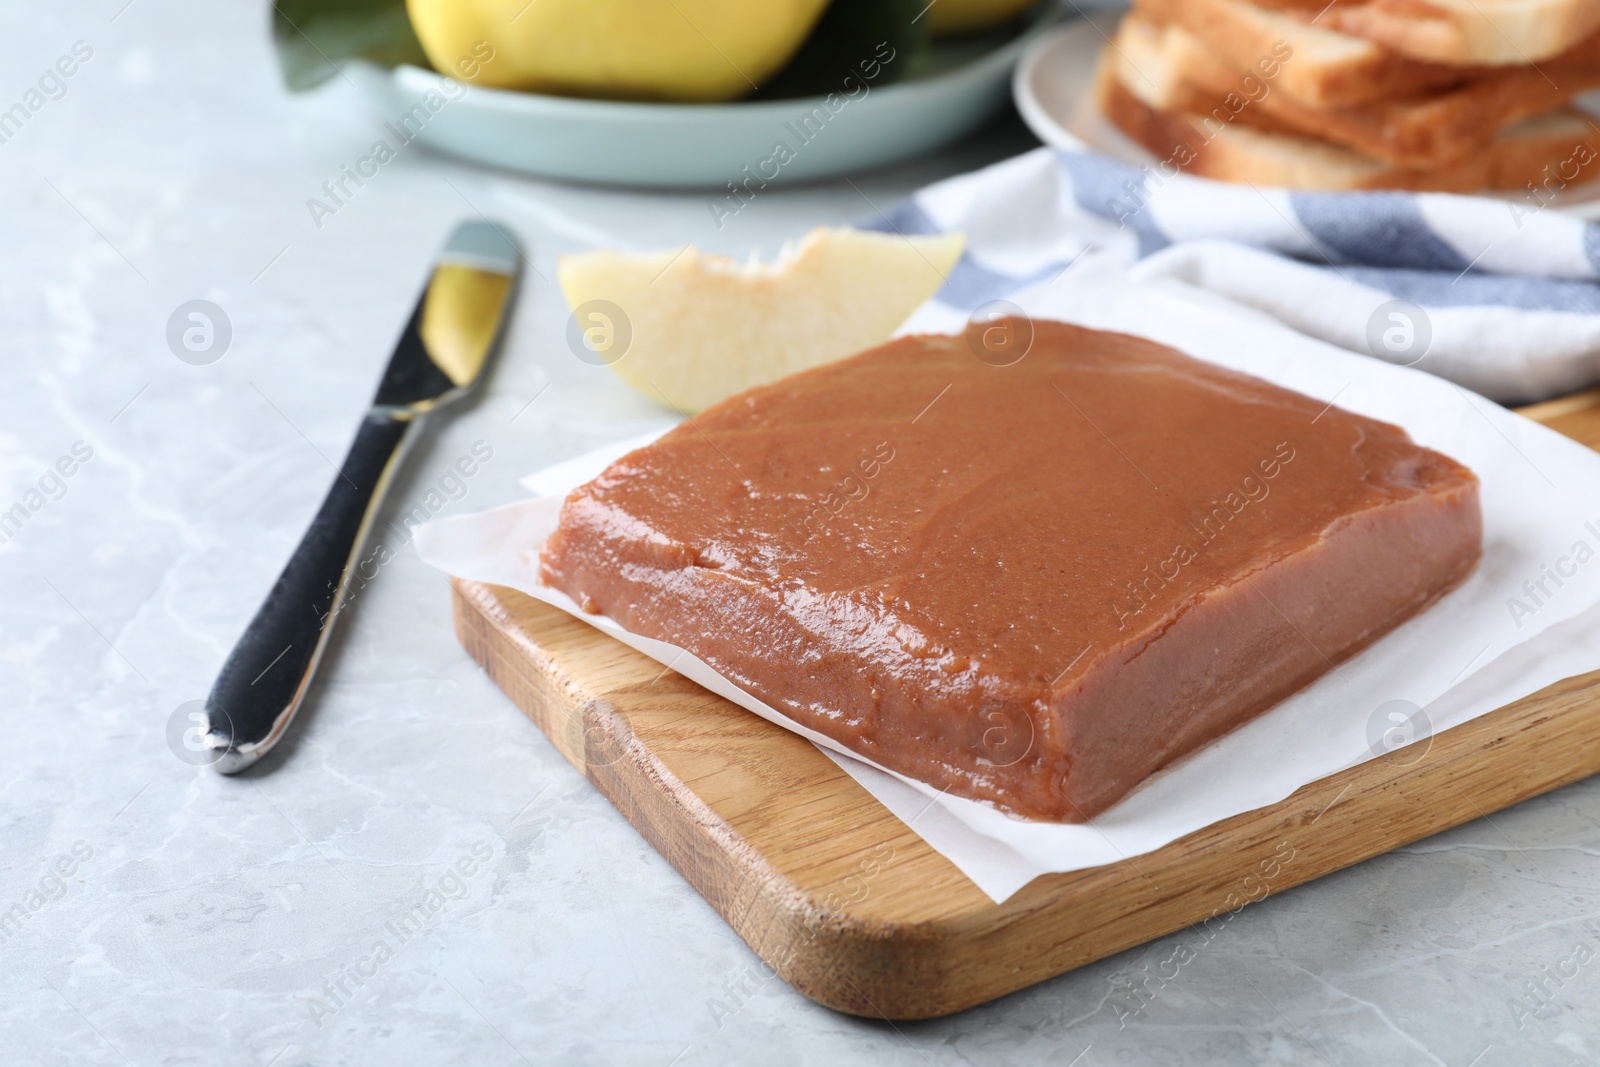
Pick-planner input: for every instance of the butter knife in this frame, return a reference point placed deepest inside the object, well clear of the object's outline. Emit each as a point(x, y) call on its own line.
point(454, 332)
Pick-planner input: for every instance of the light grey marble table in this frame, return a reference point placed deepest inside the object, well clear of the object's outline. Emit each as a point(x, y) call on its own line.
point(152, 912)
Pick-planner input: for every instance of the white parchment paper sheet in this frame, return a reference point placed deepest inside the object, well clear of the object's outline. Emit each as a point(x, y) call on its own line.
point(1468, 655)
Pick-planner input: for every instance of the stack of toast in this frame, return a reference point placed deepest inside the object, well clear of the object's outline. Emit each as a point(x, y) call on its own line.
point(1451, 95)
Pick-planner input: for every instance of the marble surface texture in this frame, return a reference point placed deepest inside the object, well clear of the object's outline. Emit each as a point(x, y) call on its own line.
point(161, 914)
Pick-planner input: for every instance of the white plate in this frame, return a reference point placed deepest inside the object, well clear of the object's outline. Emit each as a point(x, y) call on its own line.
point(1054, 90)
point(699, 145)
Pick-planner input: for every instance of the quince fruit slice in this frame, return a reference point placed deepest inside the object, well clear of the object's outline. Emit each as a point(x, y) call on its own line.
point(688, 329)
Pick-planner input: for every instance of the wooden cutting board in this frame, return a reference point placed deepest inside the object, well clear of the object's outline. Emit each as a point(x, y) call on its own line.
point(852, 909)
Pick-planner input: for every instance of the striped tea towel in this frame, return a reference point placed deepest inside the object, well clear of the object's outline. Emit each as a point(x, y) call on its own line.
point(1498, 296)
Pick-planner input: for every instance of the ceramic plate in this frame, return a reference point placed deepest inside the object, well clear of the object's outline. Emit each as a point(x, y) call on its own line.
point(700, 145)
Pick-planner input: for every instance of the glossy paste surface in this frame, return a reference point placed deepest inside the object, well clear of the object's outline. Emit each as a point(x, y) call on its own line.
point(1033, 584)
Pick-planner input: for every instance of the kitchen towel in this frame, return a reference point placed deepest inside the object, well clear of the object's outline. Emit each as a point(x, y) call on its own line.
point(1499, 296)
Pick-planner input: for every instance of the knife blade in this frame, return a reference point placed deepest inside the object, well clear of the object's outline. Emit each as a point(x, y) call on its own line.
point(455, 330)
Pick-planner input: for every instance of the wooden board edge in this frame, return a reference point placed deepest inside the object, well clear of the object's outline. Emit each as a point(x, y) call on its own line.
point(1205, 878)
point(1562, 407)
point(879, 969)
point(806, 943)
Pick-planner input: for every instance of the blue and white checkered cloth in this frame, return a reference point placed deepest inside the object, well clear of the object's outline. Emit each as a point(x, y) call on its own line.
point(1499, 296)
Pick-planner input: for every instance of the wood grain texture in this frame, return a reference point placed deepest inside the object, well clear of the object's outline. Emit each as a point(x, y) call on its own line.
point(852, 909)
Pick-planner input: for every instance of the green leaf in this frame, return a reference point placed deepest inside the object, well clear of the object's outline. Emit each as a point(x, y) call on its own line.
point(853, 38)
point(314, 36)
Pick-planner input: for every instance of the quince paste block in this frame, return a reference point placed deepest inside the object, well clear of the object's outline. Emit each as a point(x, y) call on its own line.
point(1036, 584)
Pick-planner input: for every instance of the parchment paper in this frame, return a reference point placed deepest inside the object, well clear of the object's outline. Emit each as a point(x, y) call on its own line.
point(1510, 630)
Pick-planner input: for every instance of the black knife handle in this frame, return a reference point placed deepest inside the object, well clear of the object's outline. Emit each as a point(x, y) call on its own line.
point(265, 677)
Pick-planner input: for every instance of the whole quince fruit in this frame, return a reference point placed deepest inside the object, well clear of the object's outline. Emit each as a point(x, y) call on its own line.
point(684, 50)
point(948, 17)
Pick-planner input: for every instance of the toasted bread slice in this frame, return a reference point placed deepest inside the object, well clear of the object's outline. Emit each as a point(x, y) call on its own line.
point(1326, 68)
point(1466, 32)
point(1560, 142)
point(1503, 32)
point(1420, 132)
